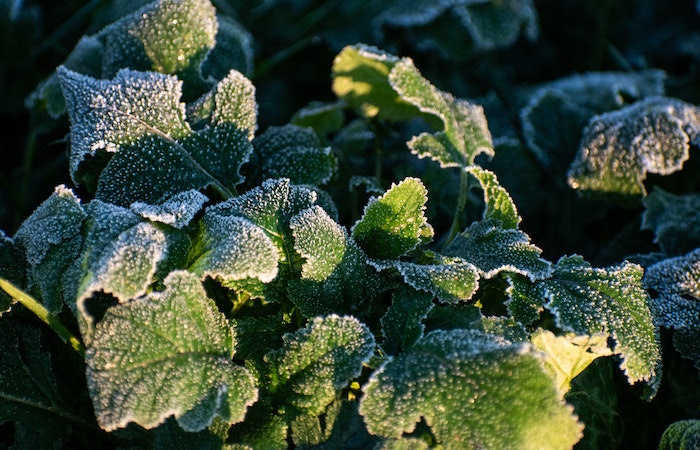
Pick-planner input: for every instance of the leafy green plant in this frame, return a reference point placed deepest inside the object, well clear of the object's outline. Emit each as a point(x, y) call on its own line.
point(235, 288)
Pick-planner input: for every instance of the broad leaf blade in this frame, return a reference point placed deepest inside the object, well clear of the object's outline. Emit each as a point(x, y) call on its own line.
point(51, 240)
point(167, 354)
point(674, 219)
point(493, 249)
point(472, 391)
point(498, 24)
point(402, 324)
point(619, 148)
point(177, 211)
point(395, 223)
point(586, 300)
point(316, 362)
point(320, 241)
point(451, 280)
point(499, 204)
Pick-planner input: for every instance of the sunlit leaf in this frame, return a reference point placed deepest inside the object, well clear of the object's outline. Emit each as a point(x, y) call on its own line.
point(568, 355)
point(394, 223)
point(324, 118)
point(499, 204)
point(167, 354)
point(317, 361)
point(51, 240)
point(320, 241)
point(473, 391)
point(619, 148)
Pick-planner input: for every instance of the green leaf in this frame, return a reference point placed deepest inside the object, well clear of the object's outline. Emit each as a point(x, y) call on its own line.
point(619, 148)
point(317, 361)
point(293, 152)
point(499, 204)
point(231, 248)
point(360, 78)
point(493, 249)
point(449, 279)
point(166, 354)
point(569, 355)
point(233, 50)
point(676, 306)
point(323, 118)
point(524, 302)
point(395, 223)
point(320, 241)
point(473, 391)
point(681, 435)
point(402, 324)
point(339, 426)
point(51, 240)
point(586, 300)
point(177, 211)
point(674, 219)
point(465, 134)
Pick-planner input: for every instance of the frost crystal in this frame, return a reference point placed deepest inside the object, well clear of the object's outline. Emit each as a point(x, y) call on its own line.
point(177, 211)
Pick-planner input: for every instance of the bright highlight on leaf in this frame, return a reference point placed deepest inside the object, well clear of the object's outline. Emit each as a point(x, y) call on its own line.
point(166, 354)
point(489, 384)
point(394, 224)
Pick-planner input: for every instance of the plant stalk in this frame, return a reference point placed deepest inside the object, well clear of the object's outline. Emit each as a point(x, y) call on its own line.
point(42, 313)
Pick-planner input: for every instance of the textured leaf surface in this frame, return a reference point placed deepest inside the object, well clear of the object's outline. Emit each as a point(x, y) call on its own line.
point(473, 391)
point(499, 204)
point(177, 211)
point(493, 249)
point(619, 148)
point(449, 279)
point(465, 134)
point(167, 354)
point(316, 362)
point(233, 248)
point(320, 241)
point(51, 240)
point(394, 223)
point(684, 434)
point(497, 24)
point(674, 219)
point(586, 300)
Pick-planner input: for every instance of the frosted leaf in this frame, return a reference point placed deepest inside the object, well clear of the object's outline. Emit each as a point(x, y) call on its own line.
point(465, 131)
point(231, 248)
point(11, 269)
point(177, 211)
point(619, 148)
point(473, 391)
point(234, 101)
point(360, 78)
point(570, 354)
point(395, 223)
point(121, 256)
point(317, 361)
point(525, 302)
point(167, 354)
point(293, 152)
point(683, 434)
point(174, 35)
point(557, 112)
point(679, 276)
point(271, 206)
point(499, 204)
point(493, 249)
point(674, 219)
point(51, 240)
point(415, 12)
point(347, 289)
point(402, 324)
point(586, 300)
point(498, 24)
point(449, 279)
point(106, 114)
point(320, 241)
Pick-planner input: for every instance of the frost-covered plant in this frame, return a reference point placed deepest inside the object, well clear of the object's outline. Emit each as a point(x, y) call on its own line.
point(218, 286)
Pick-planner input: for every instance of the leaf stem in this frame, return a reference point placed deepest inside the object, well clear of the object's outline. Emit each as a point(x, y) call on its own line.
point(459, 208)
point(42, 313)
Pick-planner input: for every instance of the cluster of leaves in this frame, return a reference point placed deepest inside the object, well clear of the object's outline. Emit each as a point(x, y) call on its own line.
point(355, 278)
